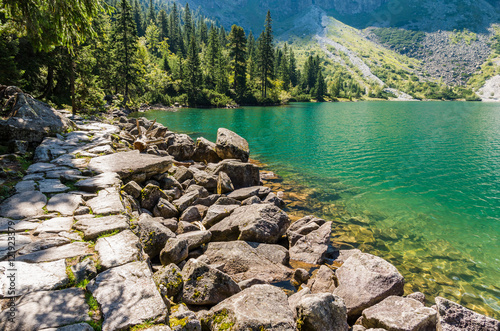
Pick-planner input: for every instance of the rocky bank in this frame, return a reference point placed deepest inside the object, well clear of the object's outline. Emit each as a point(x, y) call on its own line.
point(183, 237)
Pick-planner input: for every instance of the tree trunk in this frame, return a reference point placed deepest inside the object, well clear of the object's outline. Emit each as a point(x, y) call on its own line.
point(72, 85)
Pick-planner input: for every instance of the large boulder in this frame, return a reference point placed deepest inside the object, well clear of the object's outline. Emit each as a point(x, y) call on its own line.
point(169, 280)
point(247, 192)
point(260, 307)
point(215, 213)
point(313, 247)
point(229, 145)
point(165, 209)
point(264, 223)
point(242, 261)
point(175, 251)
point(302, 227)
point(153, 236)
point(205, 285)
point(195, 238)
point(454, 317)
point(321, 311)
point(133, 164)
point(400, 314)
point(241, 174)
point(150, 195)
point(365, 280)
point(183, 319)
point(205, 151)
point(31, 120)
point(180, 146)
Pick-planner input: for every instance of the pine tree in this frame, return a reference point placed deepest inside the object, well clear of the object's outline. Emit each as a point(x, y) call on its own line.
point(188, 25)
point(151, 13)
point(223, 37)
point(293, 69)
point(213, 48)
point(125, 47)
point(153, 39)
point(163, 24)
point(266, 55)
point(284, 69)
point(193, 71)
point(138, 19)
point(319, 87)
point(252, 59)
point(237, 51)
point(174, 30)
point(203, 31)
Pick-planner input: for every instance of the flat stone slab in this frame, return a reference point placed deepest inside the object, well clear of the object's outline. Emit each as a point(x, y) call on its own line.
point(104, 149)
point(25, 186)
point(43, 243)
point(67, 174)
point(22, 205)
point(122, 248)
point(126, 164)
point(55, 225)
point(74, 327)
point(47, 309)
point(107, 202)
point(94, 227)
point(9, 225)
point(64, 203)
point(52, 186)
point(128, 296)
point(21, 240)
point(31, 277)
point(99, 182)
point(56, 253)
point(40, 167)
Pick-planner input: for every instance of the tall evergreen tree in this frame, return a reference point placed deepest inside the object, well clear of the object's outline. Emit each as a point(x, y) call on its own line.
point(237, 51)
point(163, 24)
point(251, 59)
point(203, 31)
point(212, 50)
point(188, 24)
point(293, 68)
point(193, 71)
point(266, 55)
point(284, 69)
point(151, 13)
point(320, 87)
point(125, 47)
point(223, 37)
point(138, 19)
point(174, 30)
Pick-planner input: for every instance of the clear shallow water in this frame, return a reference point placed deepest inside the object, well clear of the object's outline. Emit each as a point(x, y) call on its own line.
point(424, 178)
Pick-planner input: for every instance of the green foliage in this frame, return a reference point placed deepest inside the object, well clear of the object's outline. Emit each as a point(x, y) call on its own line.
point(237, 51)
point(400, 40)
point(265, 58)
point(465, 35)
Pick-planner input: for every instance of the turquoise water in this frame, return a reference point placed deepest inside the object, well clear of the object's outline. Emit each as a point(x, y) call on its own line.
point(423, 176)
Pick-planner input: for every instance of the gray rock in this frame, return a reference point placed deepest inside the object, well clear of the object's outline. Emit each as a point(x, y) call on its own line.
point(241, 174)
point(260, 307)
point(128, 296)
point(247, 192)
point(133, 189)
point(165, 209)
point(196, 238)
point(30, 277)
point(225, 201)
point(204, 179)
point(251, 282)
point(104, 149)
point(25, 186)
point(215, 213)
point(6, 247)
point(205, 151)
point(229, 145)
point(182, 174)
point(224, 183)
point(129, 164)
point(182, 319)
point(22, 205)
point(302, 227)
point(84, 270)
point(344, 254)
point(241, 261)
point(454, 317)
point(153, 236)
point(260, 223)
point(40, 167)
point(321, 311)
point(175, 251)
point(312, 248)
point(185, 227)
point(36, 177)
point(52, 186)
point(44, 243)
point(400, 314)
point(168, 182)
point(94, 227)
point(190, 215)
point(72, 327)
point(56, 253)
point(107, 202)
point(365, 280)
point(419, 296)
point(273, 198)
point(119, 249)
point(251, 201)
point(42, 154)
point(202, 192)
point(55, 225)
point(180, 146)
point(66, 174)
point(7, 224)
point(275, 253)
point(169, 280)
point(205, 285)
point(322, 281)
point(99, 182)
point(64, 203)
point(47, 309)
point(150, 195)
point(301, 275)
point(186, 200)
